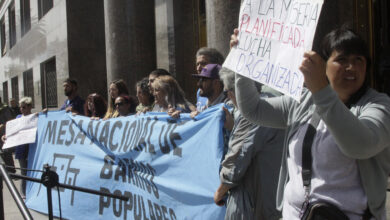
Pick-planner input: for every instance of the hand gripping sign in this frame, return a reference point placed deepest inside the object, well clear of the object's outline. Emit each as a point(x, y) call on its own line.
point(273, 36)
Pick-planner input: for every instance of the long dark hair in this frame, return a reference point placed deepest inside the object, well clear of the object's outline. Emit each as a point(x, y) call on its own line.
point(122, 90)
point(143, 85)
point(99, 103)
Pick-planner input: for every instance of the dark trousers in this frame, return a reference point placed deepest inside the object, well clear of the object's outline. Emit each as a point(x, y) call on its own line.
point(9, 161)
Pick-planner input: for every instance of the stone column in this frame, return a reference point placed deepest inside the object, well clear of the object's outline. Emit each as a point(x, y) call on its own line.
point(222, 18)
point(165, 35)
point(130, 40)
point(177, 36)
point(186, 43)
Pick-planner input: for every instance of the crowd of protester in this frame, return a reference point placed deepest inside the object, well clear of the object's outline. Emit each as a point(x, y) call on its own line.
point(266, 133)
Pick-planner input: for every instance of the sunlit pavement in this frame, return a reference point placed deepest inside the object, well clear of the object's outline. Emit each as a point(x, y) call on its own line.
point(12, 211)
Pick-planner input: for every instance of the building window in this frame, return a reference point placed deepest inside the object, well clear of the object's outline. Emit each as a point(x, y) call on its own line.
point(49, 83)
point(15, 88)
point(3, 38)
point(25, 18)
point(28, 84)
point(5, 92)
point(43, 7)
point(12, 25)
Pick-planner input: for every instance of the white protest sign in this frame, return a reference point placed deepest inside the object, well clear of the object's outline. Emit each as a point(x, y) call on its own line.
point(21, 131)
point(273, 36)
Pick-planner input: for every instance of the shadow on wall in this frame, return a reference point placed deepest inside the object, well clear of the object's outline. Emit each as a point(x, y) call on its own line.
point(30, 48)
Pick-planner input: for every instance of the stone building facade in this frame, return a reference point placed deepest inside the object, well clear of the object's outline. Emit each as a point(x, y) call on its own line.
point(44, 42)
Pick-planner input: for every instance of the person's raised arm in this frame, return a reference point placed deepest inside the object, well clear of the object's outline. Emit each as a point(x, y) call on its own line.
point(271, 112)
point(358, 136)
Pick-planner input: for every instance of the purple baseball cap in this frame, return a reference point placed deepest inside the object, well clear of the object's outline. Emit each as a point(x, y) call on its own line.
point(210, 71)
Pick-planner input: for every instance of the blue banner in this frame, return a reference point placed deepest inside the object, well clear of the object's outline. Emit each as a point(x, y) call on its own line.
point(167, 167)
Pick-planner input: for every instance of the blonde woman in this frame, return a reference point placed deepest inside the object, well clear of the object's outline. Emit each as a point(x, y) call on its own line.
point(169, 97)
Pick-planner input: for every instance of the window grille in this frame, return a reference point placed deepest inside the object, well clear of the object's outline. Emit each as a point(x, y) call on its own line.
point(15, 88)
point(49, 84)
point(12, 25)
point(3, 37)
point(43, 7)
point(25, 17)
point(28, 84)
point(5, 92)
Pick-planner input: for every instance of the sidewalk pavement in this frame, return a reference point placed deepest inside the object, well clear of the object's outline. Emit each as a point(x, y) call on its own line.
point(11, 210)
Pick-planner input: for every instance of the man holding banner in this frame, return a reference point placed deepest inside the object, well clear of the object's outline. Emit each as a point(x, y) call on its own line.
point(74, 102)
point(204, 56)
point(336, 150)
point(210, 85)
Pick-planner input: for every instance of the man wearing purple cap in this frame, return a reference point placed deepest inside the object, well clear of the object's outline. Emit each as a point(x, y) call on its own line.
point(204, 56)
point(210, 86)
